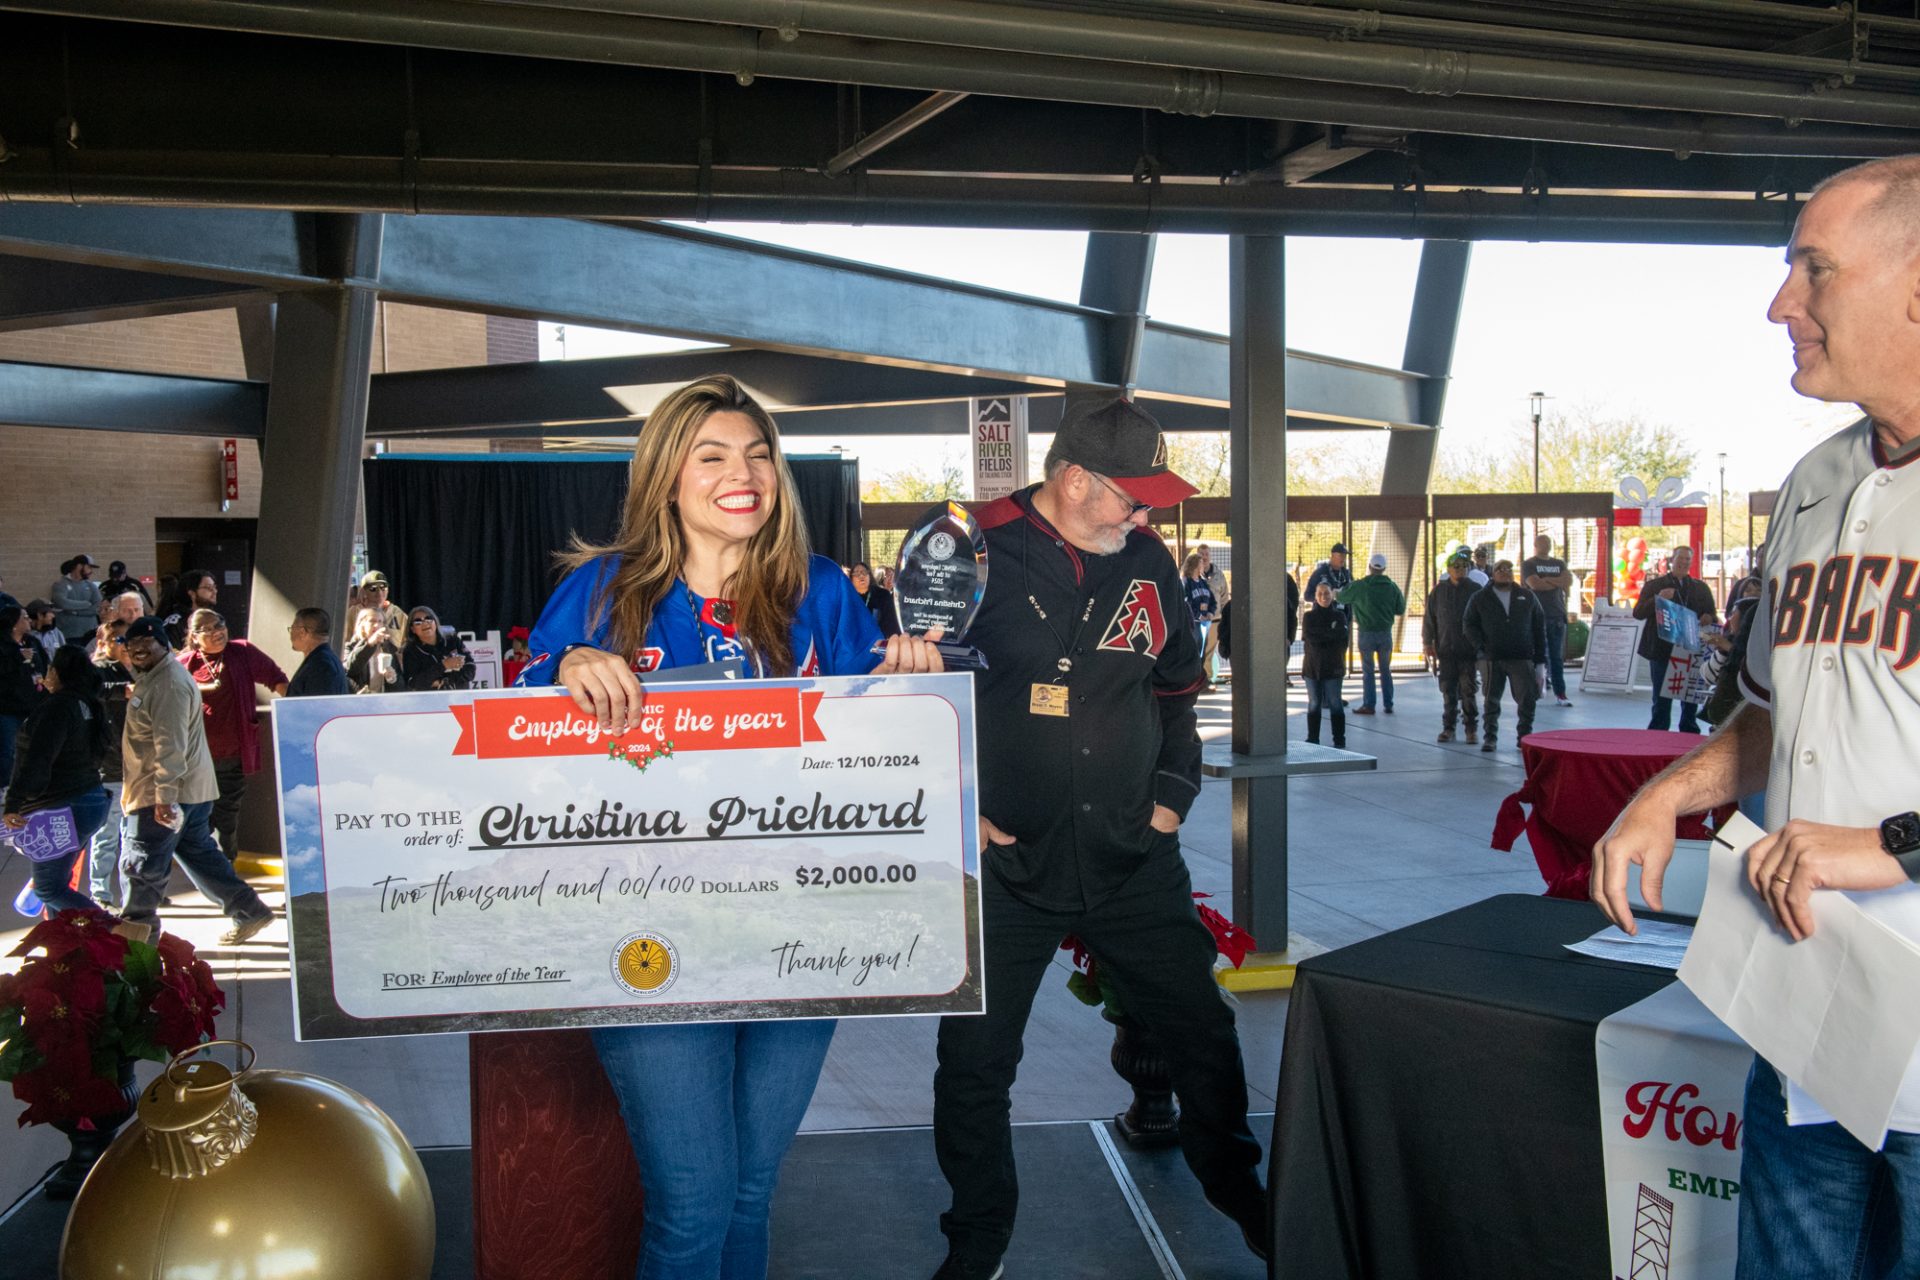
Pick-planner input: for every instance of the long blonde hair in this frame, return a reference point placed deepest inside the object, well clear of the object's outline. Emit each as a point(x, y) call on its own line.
point(651, 549)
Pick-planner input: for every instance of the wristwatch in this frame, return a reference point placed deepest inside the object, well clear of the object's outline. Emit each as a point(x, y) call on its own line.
point(1900, 836)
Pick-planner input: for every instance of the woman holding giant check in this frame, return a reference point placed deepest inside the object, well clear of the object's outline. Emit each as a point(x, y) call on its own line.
point(710, 566)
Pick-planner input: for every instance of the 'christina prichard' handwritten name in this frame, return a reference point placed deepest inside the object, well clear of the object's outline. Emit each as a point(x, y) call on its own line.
point(510, 826)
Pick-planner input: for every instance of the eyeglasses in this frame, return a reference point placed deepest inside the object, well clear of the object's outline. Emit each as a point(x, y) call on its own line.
point(423, 622)
point(1133, 508)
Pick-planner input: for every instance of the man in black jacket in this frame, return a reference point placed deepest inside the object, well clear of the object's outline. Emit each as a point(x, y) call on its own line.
point(320, 673)
point(1506, 625)
point(1443, 635)
point(1677, 584)
point(1089, 760)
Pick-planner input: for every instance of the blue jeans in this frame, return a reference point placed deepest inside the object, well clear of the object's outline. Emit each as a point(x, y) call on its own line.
point(53, 880)
point(1324, 693)
point(1376, 645)
point(711, 1109)
point(1663, 714)
point(1557, 656)
point(147, 861)
point(1817, 1205)
point(103, 860)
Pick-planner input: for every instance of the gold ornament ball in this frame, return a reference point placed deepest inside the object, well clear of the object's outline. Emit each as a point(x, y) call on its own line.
point(279, 1174)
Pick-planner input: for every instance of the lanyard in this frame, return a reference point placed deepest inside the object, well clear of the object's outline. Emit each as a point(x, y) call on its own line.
point(1065, 661)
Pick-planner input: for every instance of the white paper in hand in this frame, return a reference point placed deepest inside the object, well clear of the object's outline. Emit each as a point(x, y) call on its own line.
point(1835, 1013)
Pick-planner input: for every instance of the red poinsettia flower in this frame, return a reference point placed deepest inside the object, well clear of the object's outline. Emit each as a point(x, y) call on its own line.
point(71, 930)
point(1229, 939)
point(182, 1015)
point(57, 1092)
point(52, 1017)
point(85, 997)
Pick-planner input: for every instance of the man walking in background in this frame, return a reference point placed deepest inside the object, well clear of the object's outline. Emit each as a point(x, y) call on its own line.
point(1506, 626)
point(1547, 576)
point(169, 792)
point(1375, 601)
point(1444, 638)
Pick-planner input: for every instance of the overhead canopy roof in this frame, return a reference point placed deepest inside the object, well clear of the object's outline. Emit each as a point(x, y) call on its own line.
point(286, 125)
point(1644, 120)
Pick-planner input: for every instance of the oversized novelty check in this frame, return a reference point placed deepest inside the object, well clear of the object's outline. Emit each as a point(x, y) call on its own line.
point(752, 849)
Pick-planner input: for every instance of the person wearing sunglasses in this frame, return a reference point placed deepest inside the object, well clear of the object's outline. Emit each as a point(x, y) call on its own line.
point(433, 657)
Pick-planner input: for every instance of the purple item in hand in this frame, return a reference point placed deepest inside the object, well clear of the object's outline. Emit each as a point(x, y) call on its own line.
point(49, 834)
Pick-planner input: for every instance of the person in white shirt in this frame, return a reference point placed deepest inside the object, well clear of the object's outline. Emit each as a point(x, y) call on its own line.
point(1831, 726)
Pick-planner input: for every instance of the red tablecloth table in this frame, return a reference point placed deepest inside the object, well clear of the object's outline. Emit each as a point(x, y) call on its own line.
point(1578, 781)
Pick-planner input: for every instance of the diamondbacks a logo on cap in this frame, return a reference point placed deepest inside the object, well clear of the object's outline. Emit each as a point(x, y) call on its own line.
point(1139, 625)
point(1160, 450)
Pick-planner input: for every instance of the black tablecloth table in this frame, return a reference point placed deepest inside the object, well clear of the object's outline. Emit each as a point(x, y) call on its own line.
point(1438, 1109)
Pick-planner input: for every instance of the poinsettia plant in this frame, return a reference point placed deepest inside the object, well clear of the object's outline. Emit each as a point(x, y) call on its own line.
point(88, 999)
point(1229, 939)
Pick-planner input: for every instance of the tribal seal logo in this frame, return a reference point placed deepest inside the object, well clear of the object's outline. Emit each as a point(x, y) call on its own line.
point(1138, 625)
point(940, 546)
point(645, 963)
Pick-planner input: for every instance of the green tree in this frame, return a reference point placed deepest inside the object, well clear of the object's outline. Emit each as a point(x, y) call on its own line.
point(1201, 459)
point(915, 485)
point(1581, 451)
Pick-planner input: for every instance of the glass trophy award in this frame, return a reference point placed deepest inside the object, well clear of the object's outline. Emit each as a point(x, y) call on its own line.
point(940, 580)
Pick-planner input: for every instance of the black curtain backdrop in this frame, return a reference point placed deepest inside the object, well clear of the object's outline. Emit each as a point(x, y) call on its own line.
point(473, 538)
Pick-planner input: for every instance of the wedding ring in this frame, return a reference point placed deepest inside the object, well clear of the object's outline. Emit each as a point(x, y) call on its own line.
point(1784, 879)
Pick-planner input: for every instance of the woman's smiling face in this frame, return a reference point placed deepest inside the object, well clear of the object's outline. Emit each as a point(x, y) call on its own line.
point(729, 482)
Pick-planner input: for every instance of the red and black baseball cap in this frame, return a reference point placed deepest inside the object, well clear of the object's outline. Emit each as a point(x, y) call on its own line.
point(1119, 440)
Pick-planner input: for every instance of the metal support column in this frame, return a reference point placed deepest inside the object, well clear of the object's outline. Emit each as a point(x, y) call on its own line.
point(316, 427)
point(1432, 328)
point(1116, 276)
point(1257, 422)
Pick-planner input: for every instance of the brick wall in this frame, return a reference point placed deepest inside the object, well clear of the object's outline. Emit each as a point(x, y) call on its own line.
point(101, 492)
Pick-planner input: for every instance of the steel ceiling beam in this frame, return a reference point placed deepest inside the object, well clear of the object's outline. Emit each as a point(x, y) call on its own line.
point(633, 277)
point(39, 395)
point(578, 397)
point(42, 294)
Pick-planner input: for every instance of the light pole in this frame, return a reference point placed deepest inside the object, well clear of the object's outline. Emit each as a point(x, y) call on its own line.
point(1723, 526)
point(1537, 400)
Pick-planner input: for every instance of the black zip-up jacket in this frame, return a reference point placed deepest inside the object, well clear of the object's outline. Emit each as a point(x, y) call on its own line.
point(1690, 592)
point(54, 757)
point(113, 700)
point(1326, 632)
point(422, 665)
point(1444, 628)
point(1077, 791)
point(18, 692)
point(1504, 635)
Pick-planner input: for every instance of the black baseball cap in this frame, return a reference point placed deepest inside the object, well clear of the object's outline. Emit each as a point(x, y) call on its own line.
point(1339, 548)
point(149, 627)
point(1119, 440)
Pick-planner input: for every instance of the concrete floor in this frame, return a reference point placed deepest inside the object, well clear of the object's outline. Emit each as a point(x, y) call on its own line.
point(1371, 852)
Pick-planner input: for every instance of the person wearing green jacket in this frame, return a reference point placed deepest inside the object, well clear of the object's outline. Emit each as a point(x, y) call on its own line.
point(1375, 601)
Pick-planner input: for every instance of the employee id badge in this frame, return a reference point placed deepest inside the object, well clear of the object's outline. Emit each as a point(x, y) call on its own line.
point(1047, 700)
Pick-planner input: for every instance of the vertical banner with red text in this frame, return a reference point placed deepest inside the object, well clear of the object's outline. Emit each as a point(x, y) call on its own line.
point(1672, 1080)
point(999, 446)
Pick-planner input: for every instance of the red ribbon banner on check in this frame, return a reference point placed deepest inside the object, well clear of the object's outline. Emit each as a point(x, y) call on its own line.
point(712, 720)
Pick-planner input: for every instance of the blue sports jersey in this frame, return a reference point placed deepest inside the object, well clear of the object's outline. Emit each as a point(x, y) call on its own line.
point(833, 634)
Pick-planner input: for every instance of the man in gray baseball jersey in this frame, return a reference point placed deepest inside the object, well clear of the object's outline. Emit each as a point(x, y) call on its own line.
point(1832, 723)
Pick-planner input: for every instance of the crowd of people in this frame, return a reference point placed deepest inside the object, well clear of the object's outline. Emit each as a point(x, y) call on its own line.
point(136, 724)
